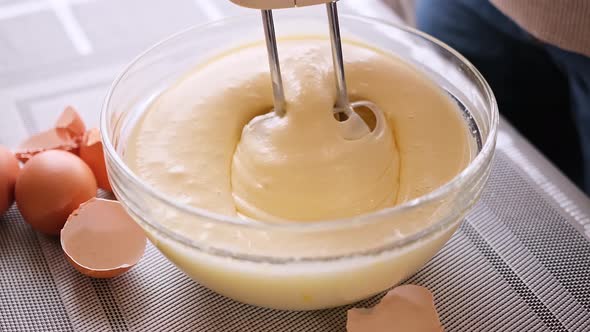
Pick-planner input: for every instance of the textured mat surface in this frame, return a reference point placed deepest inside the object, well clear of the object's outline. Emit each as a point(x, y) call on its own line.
point(519, 262)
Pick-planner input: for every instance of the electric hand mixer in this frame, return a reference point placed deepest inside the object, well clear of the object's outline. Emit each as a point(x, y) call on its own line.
point(343, 109)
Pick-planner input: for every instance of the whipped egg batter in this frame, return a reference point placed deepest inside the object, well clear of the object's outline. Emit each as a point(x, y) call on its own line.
point(213, 141)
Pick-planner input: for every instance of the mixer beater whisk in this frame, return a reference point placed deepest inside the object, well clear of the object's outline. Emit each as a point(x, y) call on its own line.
point(343, 108)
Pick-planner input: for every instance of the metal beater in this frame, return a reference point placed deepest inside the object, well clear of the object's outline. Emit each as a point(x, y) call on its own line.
point(343, 105)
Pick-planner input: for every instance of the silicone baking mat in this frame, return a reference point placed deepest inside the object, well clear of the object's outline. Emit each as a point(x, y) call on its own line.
point(520, 262)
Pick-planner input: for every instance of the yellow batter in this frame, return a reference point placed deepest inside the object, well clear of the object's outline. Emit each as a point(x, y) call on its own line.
point(212, 140)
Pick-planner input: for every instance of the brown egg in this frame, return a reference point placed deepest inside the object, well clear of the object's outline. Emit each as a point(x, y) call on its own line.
point(50, 186)
point(405, 308)
point(91, 152)
point(101, 240)
point(9, 168)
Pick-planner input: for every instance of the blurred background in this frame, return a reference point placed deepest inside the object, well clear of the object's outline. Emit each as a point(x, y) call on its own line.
point(55, 53)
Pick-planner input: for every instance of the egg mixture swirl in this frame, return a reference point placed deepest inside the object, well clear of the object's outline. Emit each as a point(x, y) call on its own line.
point(213, 141)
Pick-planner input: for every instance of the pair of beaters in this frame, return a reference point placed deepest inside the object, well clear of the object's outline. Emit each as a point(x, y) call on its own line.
point(343, 105)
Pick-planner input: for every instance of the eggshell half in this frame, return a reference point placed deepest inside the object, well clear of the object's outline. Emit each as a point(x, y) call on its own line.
point(70, 121)
point(9, 169)
point(66, 135)
point(405, 308)
point(52, 139)
point(101, 240)
point(91, 152)
point(50, 186)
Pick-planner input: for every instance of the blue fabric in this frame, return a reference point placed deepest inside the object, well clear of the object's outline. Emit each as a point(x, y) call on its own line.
point(542, 90)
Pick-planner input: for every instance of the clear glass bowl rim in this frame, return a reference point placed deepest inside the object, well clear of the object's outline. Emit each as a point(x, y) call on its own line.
point(474, 169)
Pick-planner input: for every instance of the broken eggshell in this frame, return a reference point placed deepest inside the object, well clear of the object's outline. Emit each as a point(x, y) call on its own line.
point(91, 152)
point(66, 135)
point(48, 140)
point(404, 308)
point(101, 240)
point(71, 122)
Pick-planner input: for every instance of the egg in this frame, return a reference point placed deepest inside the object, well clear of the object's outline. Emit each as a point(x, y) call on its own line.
point(404, 308)
point(66, 135)
point(101, 240)
point(91, 152)
point(9, 169)
point(50, 186)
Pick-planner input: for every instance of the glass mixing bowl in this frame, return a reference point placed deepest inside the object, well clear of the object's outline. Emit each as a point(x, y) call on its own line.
point(321, 264)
